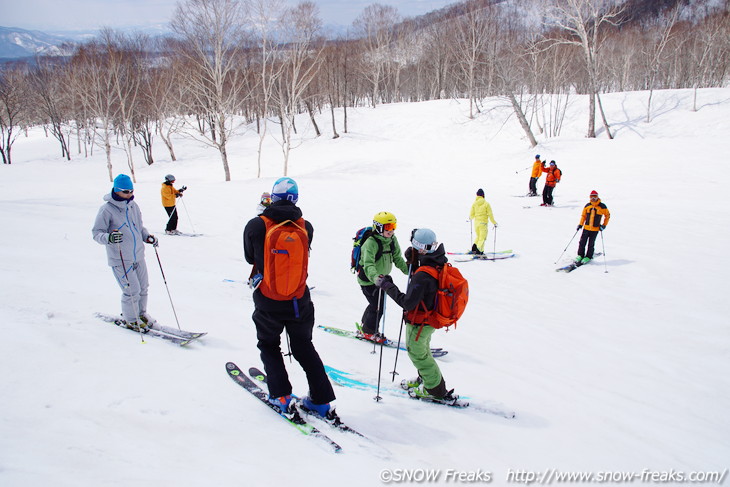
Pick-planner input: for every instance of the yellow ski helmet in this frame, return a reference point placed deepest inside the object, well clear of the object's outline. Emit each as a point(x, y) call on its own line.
point(383, 221)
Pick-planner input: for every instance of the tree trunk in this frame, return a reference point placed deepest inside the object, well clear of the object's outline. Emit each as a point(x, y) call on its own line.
point(168, 144)
point(224, 156)
point(591, 115)
point(521, 117)
point(334, 125)
point(311, 117)
point(603, 117)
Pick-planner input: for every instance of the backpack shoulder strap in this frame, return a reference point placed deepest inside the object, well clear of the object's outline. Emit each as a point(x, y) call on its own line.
point(379, 252)
point(429, 270)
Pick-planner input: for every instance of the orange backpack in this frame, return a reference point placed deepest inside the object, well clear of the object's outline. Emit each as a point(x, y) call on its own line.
point(286, 256)
point(451, 298)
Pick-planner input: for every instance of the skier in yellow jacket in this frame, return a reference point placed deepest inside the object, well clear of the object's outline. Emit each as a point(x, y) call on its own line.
point(481, 213)
point(169, 193)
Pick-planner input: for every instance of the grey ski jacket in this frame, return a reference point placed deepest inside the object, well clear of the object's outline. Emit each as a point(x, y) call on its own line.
point(126, 217)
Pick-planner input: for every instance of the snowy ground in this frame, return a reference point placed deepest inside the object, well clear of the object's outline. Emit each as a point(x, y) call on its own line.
point(621, 366)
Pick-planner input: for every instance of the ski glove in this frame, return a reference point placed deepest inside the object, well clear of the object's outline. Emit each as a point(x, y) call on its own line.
point(577, 228)
point(411, 255)
point(384, 282)
point(115, 237)
point(151, 239)
point(255, 281)
point(603, 227)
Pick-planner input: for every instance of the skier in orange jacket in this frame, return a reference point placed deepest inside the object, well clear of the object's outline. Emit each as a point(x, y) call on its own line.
point(535, 175)
point(590, 221)
point(169, 194)
point(553, 177)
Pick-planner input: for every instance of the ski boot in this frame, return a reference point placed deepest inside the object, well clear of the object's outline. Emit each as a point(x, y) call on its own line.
point(286, 406)
point(407, 384)
point(324, 411)
point(147, 321)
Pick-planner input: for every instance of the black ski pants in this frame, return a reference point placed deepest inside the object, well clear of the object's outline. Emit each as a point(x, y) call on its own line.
point(172, 220)
point(587, 237)
point(547, 194)
point(533, 185)
point(374, 311)
point(269, 327)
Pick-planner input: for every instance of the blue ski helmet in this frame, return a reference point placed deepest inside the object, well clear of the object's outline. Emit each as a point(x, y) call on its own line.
point(285, 189)
point(424, 239)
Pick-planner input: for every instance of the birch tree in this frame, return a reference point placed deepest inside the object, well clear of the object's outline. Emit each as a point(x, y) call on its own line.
point(264, 16)
point(584, 22)
point(13, 105)
point(471, 32)
point(376, 26)
point(213, 34)
point(301, 61)
point(653, 52)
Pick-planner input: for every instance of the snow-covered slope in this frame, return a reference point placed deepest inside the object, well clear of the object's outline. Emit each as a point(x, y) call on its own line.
point(620, 366)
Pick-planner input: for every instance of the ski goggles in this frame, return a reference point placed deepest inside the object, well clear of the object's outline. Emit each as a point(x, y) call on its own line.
point(124, 191)
point(384, 227)
point(428, 248)
point(266, 200)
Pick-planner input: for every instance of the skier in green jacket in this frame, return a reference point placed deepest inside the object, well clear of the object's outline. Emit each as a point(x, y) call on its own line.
point(378, 254)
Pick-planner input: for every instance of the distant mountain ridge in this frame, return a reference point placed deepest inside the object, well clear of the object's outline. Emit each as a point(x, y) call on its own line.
point(17, 43)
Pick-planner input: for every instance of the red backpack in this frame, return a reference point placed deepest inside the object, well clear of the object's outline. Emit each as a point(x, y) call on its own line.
point(286, 256)
point(451, 298)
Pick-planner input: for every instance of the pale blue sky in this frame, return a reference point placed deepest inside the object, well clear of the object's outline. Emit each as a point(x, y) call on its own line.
point(92, 14)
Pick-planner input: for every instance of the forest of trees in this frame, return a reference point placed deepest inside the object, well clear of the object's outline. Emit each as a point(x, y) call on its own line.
point(230, 65)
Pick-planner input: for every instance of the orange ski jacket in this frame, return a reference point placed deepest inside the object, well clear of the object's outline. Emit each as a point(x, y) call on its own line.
point(592, 214)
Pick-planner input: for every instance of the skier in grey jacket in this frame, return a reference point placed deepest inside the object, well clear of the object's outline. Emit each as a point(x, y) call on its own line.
point(119, 227)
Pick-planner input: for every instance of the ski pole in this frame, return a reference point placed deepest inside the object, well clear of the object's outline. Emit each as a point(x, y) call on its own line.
point(126, 278)
point(517, 172)
point(603, 246)
point(174, 210)
point(288, 347)
point(495, 244)
point(188, 214)
point(164, 279)
point(471, 233)
point(566, 247)
point(400, 332)
point(380, 366)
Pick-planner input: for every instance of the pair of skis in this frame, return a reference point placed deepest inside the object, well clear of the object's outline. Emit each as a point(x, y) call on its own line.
point(172, 335)
point(352, 381)
point(574, 265)
point(252, 383)
point(255, 379)
point(468, 256)
point(436, 352)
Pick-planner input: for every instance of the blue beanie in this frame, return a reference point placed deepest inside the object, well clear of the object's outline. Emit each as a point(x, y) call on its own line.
point(285, 189)
point(480, 192)
point(122, 182)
